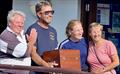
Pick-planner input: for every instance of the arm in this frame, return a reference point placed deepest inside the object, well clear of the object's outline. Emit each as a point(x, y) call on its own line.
point(113, 55)
point(112, 52)
point(32, 49)
point(10, 45)
point(37, 59)
point(115, 62)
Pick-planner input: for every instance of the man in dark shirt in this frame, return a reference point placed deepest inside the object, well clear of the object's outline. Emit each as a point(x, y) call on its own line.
point(46, 35)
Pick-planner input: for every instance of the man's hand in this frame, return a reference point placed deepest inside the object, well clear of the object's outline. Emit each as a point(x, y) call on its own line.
point(32, 37)
point(52, 64)
point(32, 40)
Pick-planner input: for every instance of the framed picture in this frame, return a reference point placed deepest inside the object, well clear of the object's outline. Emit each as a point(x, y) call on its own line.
point(103, 13)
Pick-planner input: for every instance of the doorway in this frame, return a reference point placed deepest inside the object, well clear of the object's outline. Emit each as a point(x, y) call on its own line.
point(5, 6)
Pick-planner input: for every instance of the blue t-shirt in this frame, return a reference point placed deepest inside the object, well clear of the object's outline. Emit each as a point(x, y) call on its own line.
point(82, 45)
point(46, 39)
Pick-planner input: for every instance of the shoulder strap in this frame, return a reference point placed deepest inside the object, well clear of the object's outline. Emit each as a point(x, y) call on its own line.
point(98, 58)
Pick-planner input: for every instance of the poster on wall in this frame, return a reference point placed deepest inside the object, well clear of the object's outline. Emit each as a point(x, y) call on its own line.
point(103, 13)
point(116, 22)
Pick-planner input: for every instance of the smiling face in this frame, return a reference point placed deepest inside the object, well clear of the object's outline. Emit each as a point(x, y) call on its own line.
point(17, 23)
point(76, 32)
point(95, 33)
point(46, 14)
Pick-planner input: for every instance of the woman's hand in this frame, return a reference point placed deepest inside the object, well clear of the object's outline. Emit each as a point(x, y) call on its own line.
point(99, 71)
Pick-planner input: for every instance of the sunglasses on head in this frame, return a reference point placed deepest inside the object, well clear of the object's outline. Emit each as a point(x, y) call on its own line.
point(48, 12)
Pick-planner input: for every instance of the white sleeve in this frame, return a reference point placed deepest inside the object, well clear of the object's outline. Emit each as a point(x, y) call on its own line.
point(3, 46)
point(20, 50)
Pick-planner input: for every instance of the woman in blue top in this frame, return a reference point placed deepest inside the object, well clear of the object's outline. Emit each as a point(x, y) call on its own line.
point(75, 40)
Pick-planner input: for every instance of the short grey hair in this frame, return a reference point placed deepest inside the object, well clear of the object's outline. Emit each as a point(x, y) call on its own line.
point(13, 13)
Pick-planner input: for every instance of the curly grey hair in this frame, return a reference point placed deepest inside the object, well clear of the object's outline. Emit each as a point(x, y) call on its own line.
point(13, 13)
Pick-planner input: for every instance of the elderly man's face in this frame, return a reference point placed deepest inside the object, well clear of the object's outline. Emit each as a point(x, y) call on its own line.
point(17, 24)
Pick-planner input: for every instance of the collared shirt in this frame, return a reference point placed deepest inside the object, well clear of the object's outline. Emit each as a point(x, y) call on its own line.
point(13, 47)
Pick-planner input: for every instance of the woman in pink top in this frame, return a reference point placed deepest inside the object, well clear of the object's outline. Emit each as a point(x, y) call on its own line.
point(102, 54)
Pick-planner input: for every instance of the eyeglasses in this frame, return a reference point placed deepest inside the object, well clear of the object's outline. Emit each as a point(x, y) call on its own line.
point(48, 12)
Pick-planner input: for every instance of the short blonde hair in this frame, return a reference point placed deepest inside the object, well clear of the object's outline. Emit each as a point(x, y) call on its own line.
point(95, 24)
point(70, 26)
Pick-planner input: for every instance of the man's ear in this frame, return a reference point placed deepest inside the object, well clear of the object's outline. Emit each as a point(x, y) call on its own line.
point(38, 14)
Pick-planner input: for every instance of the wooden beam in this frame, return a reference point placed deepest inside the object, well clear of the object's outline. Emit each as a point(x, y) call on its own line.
point(42, 69)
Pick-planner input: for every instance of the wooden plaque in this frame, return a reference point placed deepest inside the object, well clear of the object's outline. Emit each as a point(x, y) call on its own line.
point(66, 58)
